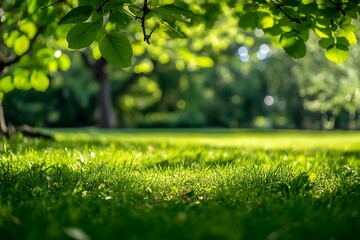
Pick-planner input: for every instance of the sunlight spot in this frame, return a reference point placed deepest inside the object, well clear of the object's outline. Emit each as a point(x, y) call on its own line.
point(243, 51)
point(264, 48)
point(244, 54)
point(259, 32)
point(263, 52)
point(245, 58)
point(269, 100)
point(261, 56)
point(76, 233)
point(57, 54)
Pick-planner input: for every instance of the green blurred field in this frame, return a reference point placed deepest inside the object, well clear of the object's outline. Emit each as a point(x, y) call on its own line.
point(181, 184)
point(349, 140)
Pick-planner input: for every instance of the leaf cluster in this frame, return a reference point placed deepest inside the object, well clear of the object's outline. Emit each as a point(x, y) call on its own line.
point(289, 24)
point(105, 21)
point(26, 59)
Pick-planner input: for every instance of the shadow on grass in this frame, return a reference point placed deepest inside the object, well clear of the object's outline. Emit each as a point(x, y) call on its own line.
point(100, 202)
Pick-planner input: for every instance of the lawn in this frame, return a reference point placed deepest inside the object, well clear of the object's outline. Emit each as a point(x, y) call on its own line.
point(181, 184)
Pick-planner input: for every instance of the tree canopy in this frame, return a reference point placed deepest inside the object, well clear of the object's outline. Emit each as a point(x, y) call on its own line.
point(287, 22)
point(36, 33)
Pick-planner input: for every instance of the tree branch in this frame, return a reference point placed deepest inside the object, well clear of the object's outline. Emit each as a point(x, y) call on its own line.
point(101, 4)
point(280, 7)
point(145, 11)
point(51, 4)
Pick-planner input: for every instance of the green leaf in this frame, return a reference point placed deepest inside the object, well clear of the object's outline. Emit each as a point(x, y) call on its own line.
point(119, 18)
point(21, 45)
point(353, 13)
point(349, 36)
point(274, 31)
point(83, 34)
point(248, 21)
point(292, 3)
point(264, 20)
point(342, 41)
point(293, 44)
point(77, 15)
point(323, 32)
point(326, 42)
point(175, 12)
point(337, 53)
point(250, 7)
point(64, 62)
point(171, 31)
point(9, 38)
point(114, 4)
point(348, 28)
point(39, 81)
point(136, 11)
point(6, 84)
point(331, 12)
point(28, 27)
point(116, 49)
point(21, 79)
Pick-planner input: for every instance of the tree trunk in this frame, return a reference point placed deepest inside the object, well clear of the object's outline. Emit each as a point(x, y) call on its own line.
point(104, 102)
point(3, 127)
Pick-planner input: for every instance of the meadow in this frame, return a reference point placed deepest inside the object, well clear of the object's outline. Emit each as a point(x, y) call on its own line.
point(181, 184)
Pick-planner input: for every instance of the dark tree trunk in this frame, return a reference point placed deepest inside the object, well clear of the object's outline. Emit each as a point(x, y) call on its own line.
point(104, 102)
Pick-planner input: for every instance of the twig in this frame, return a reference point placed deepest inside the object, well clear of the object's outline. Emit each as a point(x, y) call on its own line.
point(280, 7)
point(101, 4)
point(51, 4)
point(145, 11)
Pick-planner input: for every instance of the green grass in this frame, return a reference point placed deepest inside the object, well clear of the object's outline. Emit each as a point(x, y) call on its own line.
point(197, 184)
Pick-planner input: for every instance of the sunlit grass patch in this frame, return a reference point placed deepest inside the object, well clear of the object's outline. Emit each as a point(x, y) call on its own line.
point(199, 184)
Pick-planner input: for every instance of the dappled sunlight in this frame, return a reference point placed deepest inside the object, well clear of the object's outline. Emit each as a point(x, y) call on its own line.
point(295, 140)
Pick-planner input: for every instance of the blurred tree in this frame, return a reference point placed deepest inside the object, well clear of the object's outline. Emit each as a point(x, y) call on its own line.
point(30, 47)
point(331, 90)
point(99, 24)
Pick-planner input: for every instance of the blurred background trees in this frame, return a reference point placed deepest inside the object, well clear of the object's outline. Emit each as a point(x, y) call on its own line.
point(221, 76)
point(253, 85)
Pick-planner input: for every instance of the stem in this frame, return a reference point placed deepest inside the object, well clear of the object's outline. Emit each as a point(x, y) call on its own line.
point(279, 6)
point(101, 5)
point(51, 4)
point(145, 11)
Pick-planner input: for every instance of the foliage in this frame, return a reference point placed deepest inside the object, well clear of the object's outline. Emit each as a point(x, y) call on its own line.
point(63, 104)
point(309, 93)
point(31, 46)
point(287, 22)
point(30, 32)
point(199, 184)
